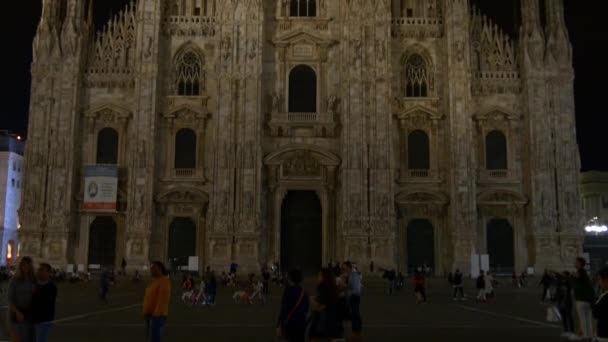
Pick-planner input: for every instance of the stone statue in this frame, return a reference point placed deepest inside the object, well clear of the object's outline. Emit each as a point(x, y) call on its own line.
point(139, 205)
point(332, 103)
point(141, 154)
point(276, 102)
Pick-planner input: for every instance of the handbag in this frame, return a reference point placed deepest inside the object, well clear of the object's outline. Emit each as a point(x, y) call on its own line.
point(293, 310)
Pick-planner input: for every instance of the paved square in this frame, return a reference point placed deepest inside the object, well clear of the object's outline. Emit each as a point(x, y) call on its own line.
point(515, 316)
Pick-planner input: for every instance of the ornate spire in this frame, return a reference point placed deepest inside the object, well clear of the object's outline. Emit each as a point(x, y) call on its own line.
point(531, 34)
point(558, 41)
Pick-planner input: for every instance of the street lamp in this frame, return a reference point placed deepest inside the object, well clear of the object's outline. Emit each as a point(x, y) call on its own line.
point(594, 227)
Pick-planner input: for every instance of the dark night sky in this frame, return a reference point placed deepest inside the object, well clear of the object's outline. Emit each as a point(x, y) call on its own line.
point(585, 20)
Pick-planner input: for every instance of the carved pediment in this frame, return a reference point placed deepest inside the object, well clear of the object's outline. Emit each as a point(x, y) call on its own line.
point(280, 157)
point(421, 198)
point(109, 113)
point(495, 114)
point(419, 114)
point(501, 197)
point(187, 114)
point(182, 195)
point(301, 164)
point(301, 36)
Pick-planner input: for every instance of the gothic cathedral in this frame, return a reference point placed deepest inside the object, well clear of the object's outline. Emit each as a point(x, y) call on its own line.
point(407, 132)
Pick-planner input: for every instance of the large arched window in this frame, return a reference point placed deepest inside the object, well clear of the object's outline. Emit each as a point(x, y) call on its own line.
point(303, 8)
point(188, 74)
point(418, 151)
point(107, 146)
point(185, 149)
point(302, 90)
point(496, 151)
point(417, 78)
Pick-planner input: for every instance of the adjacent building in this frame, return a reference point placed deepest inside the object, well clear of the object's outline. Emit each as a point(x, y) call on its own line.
point(303, 131)
point(594, 193)
point(11, 183)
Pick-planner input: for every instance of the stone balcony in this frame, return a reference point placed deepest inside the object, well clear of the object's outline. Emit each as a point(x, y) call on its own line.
point(303, 124)
point(185, 175)
point(498, 176)
point(421, 27)
point(419, 176)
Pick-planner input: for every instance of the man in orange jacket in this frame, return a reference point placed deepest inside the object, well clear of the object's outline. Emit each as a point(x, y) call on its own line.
point(156, 301)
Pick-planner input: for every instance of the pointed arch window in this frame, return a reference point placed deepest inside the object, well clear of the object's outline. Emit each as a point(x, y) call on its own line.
point(417, 79)
point(496, 151)
point(107, 146)
point(418, 151)
point(303, 8)
point(189, 74)
point(185, 149)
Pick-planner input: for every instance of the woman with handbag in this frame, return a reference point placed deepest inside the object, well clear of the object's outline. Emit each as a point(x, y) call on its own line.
point(294, 309)
point(326, 324)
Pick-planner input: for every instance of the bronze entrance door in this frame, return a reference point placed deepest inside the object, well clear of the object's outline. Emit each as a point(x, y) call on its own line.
point(182, 241)
point(301, 232)
point(420, 245)
point(500, 246)
point(102, 242)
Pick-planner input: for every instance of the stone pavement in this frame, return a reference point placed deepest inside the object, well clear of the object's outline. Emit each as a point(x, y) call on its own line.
point(515, 316)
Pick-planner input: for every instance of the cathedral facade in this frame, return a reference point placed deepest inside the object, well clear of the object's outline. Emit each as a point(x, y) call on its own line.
point(406, 132)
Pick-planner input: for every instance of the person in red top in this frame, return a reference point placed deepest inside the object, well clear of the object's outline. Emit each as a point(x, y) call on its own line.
point(156, 301)
point(419, 286)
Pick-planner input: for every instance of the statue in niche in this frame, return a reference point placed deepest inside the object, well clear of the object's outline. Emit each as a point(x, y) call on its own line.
point(275, 102)
point(252, 49)
point(358, 50)
point(332, 104)
point(61, 153)
point(381, 50)
point(139, 201)
point(137, 247)
point(226, 53)
point(141, 154)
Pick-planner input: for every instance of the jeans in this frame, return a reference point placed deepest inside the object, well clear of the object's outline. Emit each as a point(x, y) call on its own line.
point(567, 320)
point(458, 291)
point(583, 310)
point(355, 310)
point(43, 330)
point(155, 328)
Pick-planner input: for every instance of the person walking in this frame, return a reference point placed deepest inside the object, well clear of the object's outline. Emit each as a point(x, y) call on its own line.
point(325, 323)
point(156, 302)
point(43, 303)
point(584, 296)
point(390, 276)
point(212, 289)
point(105, 280)
point(295, 305)
point(545, 282)
point(489, 286)
point(564, 303)
point(353, 297)
point(371, 266)
point(600, 308)
point(481, 287)
point(419, 286)
point(266, 280)
point(457, 284)
point(20, 291)
point(123, 266)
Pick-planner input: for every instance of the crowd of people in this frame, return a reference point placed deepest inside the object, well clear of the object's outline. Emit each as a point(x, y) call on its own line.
point(337, 299)
point(571, 298)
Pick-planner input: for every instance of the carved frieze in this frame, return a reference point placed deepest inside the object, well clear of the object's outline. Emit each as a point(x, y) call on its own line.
point(301, 164)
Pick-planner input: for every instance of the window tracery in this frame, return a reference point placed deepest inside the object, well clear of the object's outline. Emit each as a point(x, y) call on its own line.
point(417, 78)
point(188, 74)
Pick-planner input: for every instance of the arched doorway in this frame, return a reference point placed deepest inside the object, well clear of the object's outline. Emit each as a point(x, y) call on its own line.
point(500, 246)
point(301, 232)
point(102, 241)
point(182, 241)
point(420, 245)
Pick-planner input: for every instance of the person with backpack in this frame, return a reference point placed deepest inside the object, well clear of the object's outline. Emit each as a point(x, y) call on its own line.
point(564, 303)
point(295, 305)
point(481, 287)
